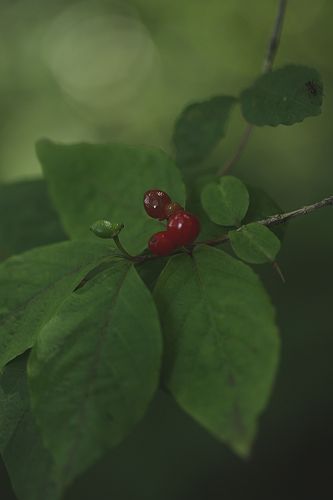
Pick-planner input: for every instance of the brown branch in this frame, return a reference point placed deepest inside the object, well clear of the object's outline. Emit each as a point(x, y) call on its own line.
point(274, 41)
point(272, 49)
point(273, 220)
point(239, 151)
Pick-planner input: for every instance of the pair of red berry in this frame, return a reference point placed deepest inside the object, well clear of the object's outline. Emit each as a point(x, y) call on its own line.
point(182, 227)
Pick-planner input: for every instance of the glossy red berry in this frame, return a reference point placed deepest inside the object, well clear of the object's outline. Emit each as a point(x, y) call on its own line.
point(172, 208)
point(162, 243)
point(184, 228)
point(155, 202)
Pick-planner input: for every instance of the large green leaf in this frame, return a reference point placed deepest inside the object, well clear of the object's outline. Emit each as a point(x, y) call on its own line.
point(27, 218)
point(149, 271)
point(255, 243)
point(226, 201)
point(95, 368)
point(28, 463)
point(221, 342)
point(33, 285)
point(88, 182)
point(199, 128)
point(284, 96)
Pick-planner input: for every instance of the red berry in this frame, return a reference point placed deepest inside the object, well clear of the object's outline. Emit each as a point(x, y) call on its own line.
point(162, 243)
point(172, 208)
point(155, 202)
point(184, 228)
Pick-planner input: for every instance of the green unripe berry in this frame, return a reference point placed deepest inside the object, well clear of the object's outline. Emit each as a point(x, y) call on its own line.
point(106, 229)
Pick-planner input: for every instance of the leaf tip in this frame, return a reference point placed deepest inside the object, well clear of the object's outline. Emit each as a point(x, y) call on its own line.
point(42, 145)
point(242, 449)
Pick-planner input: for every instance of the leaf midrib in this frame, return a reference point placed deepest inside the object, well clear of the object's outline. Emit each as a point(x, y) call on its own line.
point(90, 378)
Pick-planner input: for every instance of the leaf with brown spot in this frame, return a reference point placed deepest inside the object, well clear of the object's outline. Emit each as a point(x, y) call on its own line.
point(221, 343)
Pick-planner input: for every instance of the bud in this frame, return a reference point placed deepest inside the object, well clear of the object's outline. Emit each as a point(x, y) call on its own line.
point(106, 229)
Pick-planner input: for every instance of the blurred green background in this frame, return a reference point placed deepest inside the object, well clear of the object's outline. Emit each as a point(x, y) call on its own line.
point(122, 70)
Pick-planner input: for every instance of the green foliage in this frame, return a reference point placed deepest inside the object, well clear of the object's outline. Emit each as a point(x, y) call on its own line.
point(34, 284)
point(199, 128)
point(284, 96)
point(150, 271)
point(95, 368)
point(262, 206)
point(88, 182)
point(28, 463)
point(255, 243)
point(27, 219)
point(226, 201)
point(88, 314)
point(209, 230)
point(221, 344)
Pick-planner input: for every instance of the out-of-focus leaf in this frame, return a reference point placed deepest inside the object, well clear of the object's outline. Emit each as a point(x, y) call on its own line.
point(283, 96)
point(29, 464)
point(200, 127)
point(27, 218)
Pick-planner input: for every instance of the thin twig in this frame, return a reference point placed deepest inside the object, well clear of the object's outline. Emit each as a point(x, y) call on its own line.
point(238, 153)
point(273, 220)
point(272, 49)
point(274, 41)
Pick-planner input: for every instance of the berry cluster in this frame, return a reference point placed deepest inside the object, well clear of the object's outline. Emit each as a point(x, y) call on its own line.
point(182, 227)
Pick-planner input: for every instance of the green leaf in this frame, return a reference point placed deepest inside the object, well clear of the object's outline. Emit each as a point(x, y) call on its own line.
point(255, 243)
point(209, 230)
point(284, 96)
point(34, 284)
point(88, 182)
point(95, 368)
point(226, 202)
point(28, 463)
point(149, 271)
point(221, 343)
point(262, 206)
point(27, 218)
point(200, 127)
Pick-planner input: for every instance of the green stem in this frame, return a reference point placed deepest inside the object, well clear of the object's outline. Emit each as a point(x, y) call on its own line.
point(272, 49)
point(122, 249)
point(279, 271)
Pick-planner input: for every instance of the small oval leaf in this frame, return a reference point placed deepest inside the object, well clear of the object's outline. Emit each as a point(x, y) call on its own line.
point(226, 202)
point(255, 243)
point(284, 96)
